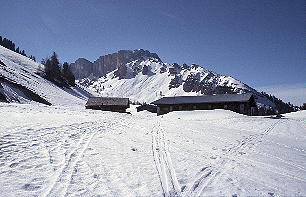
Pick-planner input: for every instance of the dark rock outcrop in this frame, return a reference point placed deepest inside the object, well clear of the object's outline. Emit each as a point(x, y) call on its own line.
point(1, 63)
point(184, 66)
point(145, 69)
point(163, 69)
point(174, 69)
point(191, 83)
point(175, 82)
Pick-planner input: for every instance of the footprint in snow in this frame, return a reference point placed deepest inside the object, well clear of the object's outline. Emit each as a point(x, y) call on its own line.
point(30, 187)
point(229, 179)
point(203, 169)
point(13, 165)
point(183, 188)
point(26, 167)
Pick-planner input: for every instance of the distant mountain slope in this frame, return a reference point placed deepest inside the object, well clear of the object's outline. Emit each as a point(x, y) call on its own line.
point(21, 81)
point(143, 77)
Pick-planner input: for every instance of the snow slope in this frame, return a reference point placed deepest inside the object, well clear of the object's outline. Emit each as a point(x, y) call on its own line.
point(147, 79)
point(68, 151)
point(18, 69)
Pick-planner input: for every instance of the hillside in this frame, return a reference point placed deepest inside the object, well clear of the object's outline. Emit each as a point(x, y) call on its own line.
point(143, 77)
point(21, 81)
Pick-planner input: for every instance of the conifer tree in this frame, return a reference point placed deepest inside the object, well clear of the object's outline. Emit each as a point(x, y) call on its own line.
point(23, 53)
point(52, 69)
point(68, 75)
point(11, 45)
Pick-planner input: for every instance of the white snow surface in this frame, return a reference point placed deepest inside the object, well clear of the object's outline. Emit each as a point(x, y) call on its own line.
point(70, 151)
point(24, 71)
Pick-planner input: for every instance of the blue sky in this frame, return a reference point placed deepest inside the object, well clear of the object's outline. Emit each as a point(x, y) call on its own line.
point(293, 93)
point(260, 42)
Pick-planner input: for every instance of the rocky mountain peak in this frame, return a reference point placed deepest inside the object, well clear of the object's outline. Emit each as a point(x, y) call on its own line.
point(107, 63)
point(143, 54)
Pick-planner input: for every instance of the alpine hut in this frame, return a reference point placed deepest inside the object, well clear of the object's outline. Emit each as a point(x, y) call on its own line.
point(108, 104)
point(240, 103)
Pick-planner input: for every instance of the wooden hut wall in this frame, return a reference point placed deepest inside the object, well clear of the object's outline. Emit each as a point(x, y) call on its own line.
point(108, 108)
point(239, 107)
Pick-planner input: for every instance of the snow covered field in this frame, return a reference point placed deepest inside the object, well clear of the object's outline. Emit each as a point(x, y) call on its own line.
point(70, 151)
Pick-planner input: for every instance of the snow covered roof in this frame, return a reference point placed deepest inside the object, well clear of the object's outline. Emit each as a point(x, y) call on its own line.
point(204, 99)
point(108, 101)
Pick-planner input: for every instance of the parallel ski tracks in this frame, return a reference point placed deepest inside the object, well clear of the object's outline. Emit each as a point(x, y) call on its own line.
point(210, 173)
point(60, 183)
point(166, 172)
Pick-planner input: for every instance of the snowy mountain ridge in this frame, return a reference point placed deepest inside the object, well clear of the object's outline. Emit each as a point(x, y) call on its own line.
point(139, 75)
point(143, 77)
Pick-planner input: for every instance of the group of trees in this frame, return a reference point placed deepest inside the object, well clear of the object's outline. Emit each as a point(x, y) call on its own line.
point(59, 75)
point(281, 106)
point(11, 45)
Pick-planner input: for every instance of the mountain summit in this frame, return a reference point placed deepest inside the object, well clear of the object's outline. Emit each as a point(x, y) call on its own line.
point(83, 68)
point(143, 77)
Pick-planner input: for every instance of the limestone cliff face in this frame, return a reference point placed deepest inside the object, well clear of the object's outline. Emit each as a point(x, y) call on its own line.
point(108, 63)
point(83, 68)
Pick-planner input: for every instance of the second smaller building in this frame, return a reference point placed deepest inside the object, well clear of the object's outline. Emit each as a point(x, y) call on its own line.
point(108, 104)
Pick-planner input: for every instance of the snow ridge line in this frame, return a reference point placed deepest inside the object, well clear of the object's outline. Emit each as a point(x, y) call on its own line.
point(163, 163)
point(210, 173)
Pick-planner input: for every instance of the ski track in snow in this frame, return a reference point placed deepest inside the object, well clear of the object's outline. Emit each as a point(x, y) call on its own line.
point(209, 173)
point(61, 183)
point(63, 153)
point(163, 162)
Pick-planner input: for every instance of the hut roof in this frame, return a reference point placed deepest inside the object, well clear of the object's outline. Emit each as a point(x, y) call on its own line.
point(219, 98)
point(107, 101)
